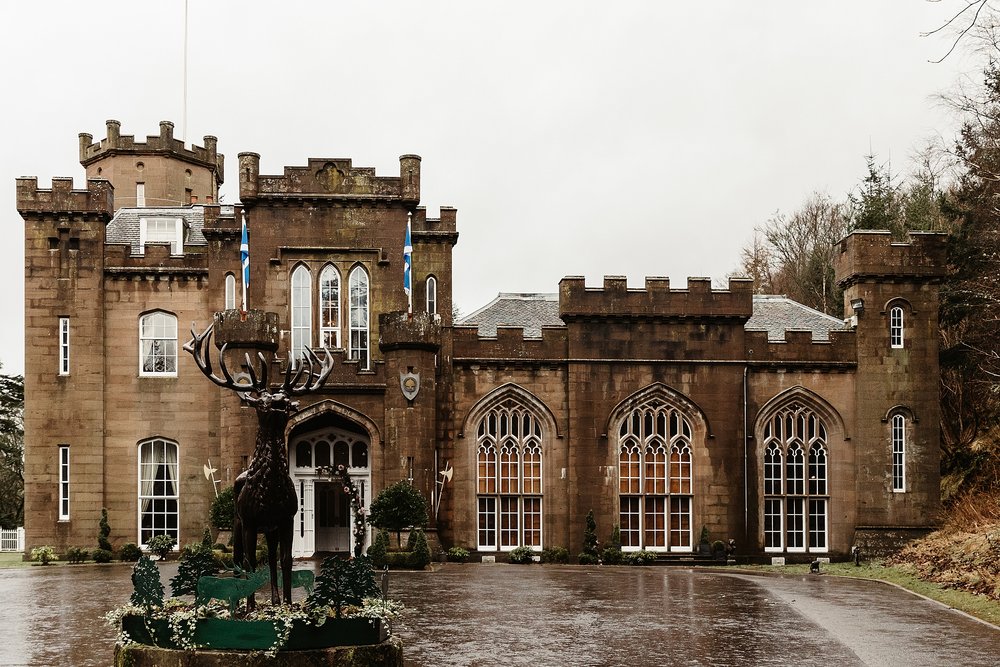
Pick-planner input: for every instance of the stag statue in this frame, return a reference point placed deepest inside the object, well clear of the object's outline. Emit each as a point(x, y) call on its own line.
point(265, 498)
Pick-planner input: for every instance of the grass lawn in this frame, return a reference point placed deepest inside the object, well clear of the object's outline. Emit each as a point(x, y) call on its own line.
point(979, 606)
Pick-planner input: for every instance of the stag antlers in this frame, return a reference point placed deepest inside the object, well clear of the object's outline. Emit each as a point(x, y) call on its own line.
point(300, 378)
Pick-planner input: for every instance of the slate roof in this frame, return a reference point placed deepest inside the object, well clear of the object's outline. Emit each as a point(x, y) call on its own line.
point(772, 313)
point(124, 227)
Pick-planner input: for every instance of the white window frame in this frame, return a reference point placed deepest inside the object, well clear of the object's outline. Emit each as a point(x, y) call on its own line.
point(360, 317)
point(430, 288)
point(898, 438)
point(168, 339)
point(174, 238)
point(140, 195)
point(63, 346)
point(896, 327)
point(329, 326)
point(230, 291)
point(146, 491)
point(301, 304)
point(64, 482)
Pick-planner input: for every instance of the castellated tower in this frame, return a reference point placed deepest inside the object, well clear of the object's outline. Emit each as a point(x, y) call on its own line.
point(156, 173)
point(64, 304)
point(892, 288)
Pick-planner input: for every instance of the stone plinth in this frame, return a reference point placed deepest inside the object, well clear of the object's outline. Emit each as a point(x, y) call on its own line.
point(388, 654)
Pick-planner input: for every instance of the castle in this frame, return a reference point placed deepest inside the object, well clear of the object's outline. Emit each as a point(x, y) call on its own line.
point(670, 412)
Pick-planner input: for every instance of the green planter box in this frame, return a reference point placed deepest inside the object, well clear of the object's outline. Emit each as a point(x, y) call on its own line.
point(224, 633)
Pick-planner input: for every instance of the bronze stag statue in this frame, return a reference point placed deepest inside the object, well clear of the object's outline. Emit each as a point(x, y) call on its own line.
point(264, 494)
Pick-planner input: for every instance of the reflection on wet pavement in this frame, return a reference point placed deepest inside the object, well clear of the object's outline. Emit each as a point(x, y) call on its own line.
point(560, 615)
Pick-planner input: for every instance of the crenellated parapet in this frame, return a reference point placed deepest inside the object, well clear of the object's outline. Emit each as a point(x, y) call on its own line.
point(443, 229)
point(330, 179)
point(121, 264)
point(510, 344)
point(222, 221)
point(399, 330)
point(32, 201)
point(657, 300)
point(799, 348)
point(873, 255)
point(162, 144)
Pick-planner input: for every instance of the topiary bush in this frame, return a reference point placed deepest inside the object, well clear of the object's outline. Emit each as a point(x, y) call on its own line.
point(590, 537)
point(420, 554)
point(130, 552)
point(555, 555)
point(612, 554)
point(522, 556)
point(223, 510)
point(379, 548)
point(640, 557)
point(457, 555)
point(398, 507)
point(161, 545)
point(102, 556)
point(76, 555)
point(105, 531)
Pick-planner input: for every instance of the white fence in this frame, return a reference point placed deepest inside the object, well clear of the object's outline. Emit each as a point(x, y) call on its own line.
point(12, 540)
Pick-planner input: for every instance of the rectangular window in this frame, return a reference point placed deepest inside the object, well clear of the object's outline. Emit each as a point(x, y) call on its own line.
point(655, 522)
point(680, 523)
point(773, 531)
point(63, 482)
point(140, 194)
point(533, 523)
point(817, 524)
point(628, 517)
point(63, 346)
point(487, 523)
point(509, 525)
point(796, 524)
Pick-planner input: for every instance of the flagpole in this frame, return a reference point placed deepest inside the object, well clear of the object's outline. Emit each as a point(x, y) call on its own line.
point(408, 265)
point(244, 257)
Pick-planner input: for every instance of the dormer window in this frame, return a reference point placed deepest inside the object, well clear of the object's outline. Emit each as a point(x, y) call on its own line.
point(162, 230)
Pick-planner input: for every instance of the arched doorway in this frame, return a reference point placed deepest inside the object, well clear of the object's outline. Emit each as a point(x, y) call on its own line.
point(323, 521)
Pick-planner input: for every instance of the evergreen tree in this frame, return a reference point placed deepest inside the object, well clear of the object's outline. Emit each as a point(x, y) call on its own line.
point(148, 591)
point(11, 451)
point(397, 507)
point(420, 552)
point(379, 548)
point(343, 582)
point(590, 536)
point(197, 561)
point(105, 531)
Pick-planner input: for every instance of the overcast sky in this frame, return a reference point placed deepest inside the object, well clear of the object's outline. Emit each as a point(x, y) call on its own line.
point(575, 138)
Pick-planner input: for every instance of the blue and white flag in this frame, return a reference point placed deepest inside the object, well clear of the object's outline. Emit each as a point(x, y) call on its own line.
point(245, 259)
point(408, 266)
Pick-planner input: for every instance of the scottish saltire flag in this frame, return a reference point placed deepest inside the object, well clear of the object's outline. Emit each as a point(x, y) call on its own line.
point(408, 266)
point(245, 259)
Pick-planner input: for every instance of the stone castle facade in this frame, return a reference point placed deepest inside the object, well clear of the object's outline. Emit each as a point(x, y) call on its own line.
point(670, 412)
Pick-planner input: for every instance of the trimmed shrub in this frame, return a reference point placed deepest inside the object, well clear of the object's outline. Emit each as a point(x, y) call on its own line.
point(590, 536)
point(457, 555)
point(587, 559)
point(397, 507)
point(555, 555)
point(640, 557)
point(102, 556)
point(44, 554)
point(611, 556)
point(522, 556)
point(197, 561)
point(130, 552)
point(379, 548)
point(420, 555)
point(105, 531)
point(161, 545)
point(223, 510)
point(75, 555)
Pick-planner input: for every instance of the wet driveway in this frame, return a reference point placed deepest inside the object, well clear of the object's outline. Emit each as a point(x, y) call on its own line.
point(561, 615)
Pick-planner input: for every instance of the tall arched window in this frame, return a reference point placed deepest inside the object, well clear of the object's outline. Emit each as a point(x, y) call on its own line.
point(329, 307)
point(301, 312)
point(358, 286)
point(431, 288)
point(796, 495)
point(898, 426)
point(896, 327)
point(654, 479)
point(509, 478)
point(158, 344)
point(230, 291)
point(159, 493)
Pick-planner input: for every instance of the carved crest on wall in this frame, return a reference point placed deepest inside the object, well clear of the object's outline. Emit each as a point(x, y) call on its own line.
point(409, 383)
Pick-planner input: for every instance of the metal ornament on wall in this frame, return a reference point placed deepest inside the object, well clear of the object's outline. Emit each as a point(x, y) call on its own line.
point(409, 383)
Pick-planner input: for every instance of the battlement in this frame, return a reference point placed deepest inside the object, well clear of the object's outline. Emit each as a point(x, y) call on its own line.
point(656, 300)
point(401, 330)
point(163, 143)
point(865, 254)
point(799, 347)
point(510, 344)
point(98, 198)
point(118, 259)
point(330, 178)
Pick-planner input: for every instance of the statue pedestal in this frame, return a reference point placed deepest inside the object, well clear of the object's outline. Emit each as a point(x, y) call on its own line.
point(388, 654)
